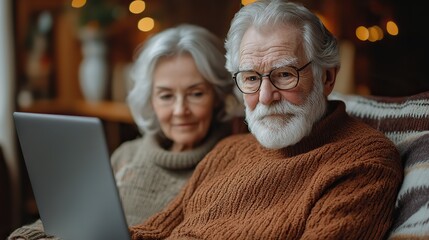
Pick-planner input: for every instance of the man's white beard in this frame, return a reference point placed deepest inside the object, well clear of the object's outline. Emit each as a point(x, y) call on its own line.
point(290, 124)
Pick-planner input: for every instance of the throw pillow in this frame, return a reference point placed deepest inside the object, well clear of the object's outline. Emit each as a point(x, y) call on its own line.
point(412, 203)
point(397, 117)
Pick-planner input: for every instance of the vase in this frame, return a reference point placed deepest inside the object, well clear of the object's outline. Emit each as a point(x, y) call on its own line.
point(93, 71)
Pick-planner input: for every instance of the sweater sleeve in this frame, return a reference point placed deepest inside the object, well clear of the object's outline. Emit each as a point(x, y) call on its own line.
point(162, 224)
point(32, 231)
point(357, 203)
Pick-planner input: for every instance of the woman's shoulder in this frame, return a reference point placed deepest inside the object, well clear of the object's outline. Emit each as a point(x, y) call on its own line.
point(129, 145)
point(126, 150)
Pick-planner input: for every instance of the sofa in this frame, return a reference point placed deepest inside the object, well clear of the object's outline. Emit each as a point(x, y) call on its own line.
point(404, 120)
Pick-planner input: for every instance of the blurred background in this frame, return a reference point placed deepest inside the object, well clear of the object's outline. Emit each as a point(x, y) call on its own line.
point(72, 57)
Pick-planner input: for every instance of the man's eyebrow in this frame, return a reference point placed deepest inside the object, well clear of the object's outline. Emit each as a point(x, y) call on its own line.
point(246, 67)
point(282, 63)
point(286, 62)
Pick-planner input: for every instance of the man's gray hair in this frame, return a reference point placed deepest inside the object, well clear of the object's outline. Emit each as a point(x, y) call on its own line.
point(319, 44)
point(208, 53)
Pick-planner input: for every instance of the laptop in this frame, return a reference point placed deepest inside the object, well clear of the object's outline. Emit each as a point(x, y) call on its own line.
point(69, 168)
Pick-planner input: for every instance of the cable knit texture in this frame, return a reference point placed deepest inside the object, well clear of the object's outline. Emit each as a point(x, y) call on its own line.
point(147, 175)
point(338, 183)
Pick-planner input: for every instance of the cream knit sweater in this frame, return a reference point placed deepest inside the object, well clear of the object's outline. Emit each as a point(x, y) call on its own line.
point(148, 176)
point(338, 183)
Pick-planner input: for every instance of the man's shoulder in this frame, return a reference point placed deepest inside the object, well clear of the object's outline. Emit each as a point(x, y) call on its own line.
point(367, 141)
point(366, 134)
point(366, 131)
point(130, 145)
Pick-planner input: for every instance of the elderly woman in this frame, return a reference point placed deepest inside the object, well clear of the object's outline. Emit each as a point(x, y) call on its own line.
point(182, 101)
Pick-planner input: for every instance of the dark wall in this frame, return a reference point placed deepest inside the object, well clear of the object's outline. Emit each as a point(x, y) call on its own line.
point(399, 66)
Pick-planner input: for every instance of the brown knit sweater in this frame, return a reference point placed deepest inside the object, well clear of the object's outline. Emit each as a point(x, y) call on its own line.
point(338, 183)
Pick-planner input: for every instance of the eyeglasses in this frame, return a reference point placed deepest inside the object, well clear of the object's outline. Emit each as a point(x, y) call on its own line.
point(283, 78)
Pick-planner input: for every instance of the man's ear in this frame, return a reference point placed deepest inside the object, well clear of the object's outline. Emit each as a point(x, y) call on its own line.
point(329, 77)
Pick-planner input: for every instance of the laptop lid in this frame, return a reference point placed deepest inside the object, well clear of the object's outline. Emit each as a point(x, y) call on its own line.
point(71, 176)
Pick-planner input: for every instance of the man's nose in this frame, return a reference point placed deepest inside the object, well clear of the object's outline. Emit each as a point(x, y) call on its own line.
point(268, 93)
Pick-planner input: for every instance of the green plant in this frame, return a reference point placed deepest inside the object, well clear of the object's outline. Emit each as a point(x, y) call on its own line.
point(98, 13)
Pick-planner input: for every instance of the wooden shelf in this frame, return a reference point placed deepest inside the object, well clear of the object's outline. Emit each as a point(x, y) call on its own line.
point(46, 106)
point(110, 111)
point(105, 110)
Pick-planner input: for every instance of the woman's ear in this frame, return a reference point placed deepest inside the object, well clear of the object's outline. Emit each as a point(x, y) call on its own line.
point(329, 77)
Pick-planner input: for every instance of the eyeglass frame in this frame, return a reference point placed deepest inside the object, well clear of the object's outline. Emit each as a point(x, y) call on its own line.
point(269, 77)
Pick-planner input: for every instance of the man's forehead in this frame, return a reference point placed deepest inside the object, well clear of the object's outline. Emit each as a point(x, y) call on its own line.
point(273, 47)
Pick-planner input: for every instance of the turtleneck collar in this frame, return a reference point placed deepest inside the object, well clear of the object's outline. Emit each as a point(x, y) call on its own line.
point(323, 130)
point(186, 159)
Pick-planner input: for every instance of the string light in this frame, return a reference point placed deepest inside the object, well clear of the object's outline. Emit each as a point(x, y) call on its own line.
point(392, 28)
point(78, 3)
point(376, 33)
point(146, 24)
point(137, 6)
point(246, 2)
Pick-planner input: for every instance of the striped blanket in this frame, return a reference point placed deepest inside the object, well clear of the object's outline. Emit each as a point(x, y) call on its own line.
point(405, 120)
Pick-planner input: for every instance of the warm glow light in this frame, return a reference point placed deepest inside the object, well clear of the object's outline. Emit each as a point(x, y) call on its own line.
point(374, 34)
point(78, 3)
point(246, 2)
point(325, 22)
point(380, 33)
point(362, 33)
point(146, 24)
point(392, 28)
point(137, 6)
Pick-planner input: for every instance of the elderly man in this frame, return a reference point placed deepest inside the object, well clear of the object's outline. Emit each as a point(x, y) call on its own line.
point(307, 170)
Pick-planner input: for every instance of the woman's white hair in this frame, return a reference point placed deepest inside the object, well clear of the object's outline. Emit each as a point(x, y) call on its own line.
point(320, 45)
point(208, 53)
